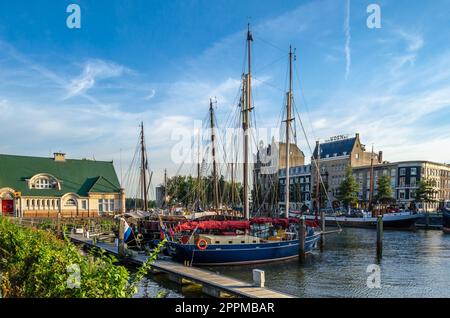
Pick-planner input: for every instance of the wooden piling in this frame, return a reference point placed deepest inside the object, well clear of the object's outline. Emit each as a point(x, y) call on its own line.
point(322, 226)
point(121, 238)
point(380, 236)
point(301, 239)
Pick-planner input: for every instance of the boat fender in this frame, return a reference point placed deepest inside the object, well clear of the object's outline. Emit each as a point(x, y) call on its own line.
point(202, 244)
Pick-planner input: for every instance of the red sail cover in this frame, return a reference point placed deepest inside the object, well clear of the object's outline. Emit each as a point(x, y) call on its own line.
point(239, 225)
point(214, 225)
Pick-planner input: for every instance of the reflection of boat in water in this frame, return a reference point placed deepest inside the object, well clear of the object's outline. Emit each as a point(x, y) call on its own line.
point(446, 217)
point(399, 220)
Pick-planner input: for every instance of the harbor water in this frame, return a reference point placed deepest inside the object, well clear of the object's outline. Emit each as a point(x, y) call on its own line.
point(414, 264)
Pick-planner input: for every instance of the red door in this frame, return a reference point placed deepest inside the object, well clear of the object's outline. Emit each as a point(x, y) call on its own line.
point(7, 206)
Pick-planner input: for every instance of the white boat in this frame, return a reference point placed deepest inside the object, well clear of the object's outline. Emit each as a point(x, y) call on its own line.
point(397, 220)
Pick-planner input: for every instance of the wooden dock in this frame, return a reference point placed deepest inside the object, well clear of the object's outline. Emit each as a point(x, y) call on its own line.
point(215, 285)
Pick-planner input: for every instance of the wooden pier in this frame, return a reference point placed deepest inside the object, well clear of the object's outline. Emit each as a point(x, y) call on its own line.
point(215, 285)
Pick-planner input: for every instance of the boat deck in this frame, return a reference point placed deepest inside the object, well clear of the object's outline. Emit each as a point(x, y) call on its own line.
point(213, 284)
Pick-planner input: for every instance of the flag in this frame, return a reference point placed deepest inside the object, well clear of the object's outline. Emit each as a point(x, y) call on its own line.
point(126, 231)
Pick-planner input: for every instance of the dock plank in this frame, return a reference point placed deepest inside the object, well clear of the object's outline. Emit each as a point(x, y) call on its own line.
point(204, 277)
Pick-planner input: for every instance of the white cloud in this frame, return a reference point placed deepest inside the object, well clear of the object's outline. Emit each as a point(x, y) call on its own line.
point(151, 94)
point(348, 56)
point(93, 71)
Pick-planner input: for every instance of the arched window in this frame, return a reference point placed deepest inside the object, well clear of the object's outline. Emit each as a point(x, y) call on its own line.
point(70, 202)
point(44, 181)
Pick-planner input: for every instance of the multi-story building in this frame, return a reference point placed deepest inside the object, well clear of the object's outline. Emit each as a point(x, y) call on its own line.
point(51, 187)
point(269, 161)
point(335, 155)
point(299, 187)
point(405, 177)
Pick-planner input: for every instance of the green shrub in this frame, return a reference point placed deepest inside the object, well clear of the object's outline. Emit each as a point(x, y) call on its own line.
point(35, 263)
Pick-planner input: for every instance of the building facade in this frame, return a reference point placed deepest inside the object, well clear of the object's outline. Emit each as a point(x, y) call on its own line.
point(299, 187)
point(51, 187)
point(269, 162)
point(405, 178)
point(334, 157)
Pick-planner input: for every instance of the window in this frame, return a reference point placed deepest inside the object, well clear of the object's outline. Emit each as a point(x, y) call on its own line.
point(401, 194)
point(84, 205)
point(43, 182)
point(413, 171)
point(402, 182)
point(413, 181)
point(392, 172)
point(70, 202)
point(100, 205)
point(402, 171)
point(357, 156)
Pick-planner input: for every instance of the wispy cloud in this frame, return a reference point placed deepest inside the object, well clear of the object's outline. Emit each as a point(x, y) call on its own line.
point(151, 94)
point(348, 54)
point(93, 71)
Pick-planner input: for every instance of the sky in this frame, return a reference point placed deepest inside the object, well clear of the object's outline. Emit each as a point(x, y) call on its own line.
point(85, 91)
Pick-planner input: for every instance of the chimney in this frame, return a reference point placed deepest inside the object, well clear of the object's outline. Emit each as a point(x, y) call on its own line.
point(59, 156)
point(357, 135)
point(380, 157)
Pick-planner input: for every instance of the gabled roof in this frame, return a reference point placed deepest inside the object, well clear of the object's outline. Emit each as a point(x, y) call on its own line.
point(338, 147)
point(76, 176)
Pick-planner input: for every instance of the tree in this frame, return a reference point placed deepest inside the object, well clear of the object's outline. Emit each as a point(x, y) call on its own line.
point(348, 190)
point(384, 190)
point(425, 194)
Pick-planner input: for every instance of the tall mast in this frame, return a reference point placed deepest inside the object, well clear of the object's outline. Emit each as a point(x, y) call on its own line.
point(213, 149)
point(245, 124)
point(165, 187)
point(143, 168)
point(371, 180)
point(288, 130)
point(232, 183)
point(317, 180)
point(198, 174)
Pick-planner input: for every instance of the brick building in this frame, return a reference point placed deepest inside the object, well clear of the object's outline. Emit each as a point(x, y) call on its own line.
point(335, 155)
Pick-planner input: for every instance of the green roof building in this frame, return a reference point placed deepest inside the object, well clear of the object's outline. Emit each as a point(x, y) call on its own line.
point(48, 187)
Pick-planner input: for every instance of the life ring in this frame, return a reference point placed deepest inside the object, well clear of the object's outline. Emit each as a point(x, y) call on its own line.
point(202, 244)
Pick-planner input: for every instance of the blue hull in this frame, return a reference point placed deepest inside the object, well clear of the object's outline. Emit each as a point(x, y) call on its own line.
point(228, 254)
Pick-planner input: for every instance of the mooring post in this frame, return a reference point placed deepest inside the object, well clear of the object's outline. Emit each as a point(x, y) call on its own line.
point(380, 236)
point(301, 239)
point(121, 238)
point(322, 225)
point(259, 278)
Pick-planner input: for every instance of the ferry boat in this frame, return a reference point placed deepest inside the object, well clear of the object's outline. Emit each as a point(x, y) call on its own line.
point(398, 220)
point(446, 217)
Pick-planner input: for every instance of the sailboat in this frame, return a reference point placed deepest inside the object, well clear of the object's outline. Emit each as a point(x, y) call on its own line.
point(243, 242)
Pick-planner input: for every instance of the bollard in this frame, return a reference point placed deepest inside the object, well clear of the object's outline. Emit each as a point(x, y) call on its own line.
point(322, 223)
point(121, 238)
point(380, 236)
point(301, 239)
point(259, 278)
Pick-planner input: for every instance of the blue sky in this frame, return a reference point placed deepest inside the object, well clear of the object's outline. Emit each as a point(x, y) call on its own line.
point(84, 91)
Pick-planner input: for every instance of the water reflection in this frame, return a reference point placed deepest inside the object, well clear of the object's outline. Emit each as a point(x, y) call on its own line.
point(414, 264)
